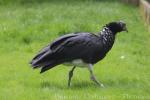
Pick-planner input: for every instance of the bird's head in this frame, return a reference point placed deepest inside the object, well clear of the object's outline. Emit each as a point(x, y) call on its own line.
point(116, 27)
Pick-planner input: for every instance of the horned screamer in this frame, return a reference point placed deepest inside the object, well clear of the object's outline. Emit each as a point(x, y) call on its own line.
point(80, 49)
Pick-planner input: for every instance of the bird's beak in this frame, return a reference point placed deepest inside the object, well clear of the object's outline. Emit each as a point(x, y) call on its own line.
point(125, 29)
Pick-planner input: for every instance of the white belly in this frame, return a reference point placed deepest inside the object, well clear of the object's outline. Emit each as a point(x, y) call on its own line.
point(77, 63)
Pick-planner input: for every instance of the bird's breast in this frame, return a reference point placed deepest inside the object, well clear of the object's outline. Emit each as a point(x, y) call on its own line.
point(77, 63)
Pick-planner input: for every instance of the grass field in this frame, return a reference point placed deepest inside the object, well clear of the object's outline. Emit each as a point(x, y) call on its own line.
point(26, 28)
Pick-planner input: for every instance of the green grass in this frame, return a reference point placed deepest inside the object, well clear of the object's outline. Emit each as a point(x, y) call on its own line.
point(25, 29)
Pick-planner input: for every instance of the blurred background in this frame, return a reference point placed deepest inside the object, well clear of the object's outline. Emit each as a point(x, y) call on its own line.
point(26, 26)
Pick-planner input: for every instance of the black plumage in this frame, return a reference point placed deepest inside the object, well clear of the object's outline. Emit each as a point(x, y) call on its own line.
point(88, 47)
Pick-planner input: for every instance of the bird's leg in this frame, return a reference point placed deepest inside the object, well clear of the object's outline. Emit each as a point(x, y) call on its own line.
point(70, 75)
point(93, 78)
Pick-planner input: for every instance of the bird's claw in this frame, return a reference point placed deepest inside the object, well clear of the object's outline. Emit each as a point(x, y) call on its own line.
point(97, 82)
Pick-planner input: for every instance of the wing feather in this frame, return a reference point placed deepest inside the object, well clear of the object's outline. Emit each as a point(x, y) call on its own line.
point(83, 46)
point(47, 56)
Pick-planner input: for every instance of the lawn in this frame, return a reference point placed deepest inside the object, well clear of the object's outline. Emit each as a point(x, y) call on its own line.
point(26, 28)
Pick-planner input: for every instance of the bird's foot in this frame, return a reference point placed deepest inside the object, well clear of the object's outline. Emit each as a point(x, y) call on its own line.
point(97, 82)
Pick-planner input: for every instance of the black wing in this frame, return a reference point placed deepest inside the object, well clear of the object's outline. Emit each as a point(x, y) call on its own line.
point(46, 56)
point(84, 46)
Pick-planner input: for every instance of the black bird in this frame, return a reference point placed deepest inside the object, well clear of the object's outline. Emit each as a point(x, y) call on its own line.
point(80, 49)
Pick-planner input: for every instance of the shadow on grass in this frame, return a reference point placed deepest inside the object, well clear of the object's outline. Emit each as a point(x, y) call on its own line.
point(50, 85)
point(79, 85)
point(84, 84)
point(89, 84)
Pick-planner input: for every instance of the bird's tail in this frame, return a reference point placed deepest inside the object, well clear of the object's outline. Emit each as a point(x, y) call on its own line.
point(45, 60)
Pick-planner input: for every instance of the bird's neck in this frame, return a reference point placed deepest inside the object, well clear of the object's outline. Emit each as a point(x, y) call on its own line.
point(106, 31)
point(107, 37)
